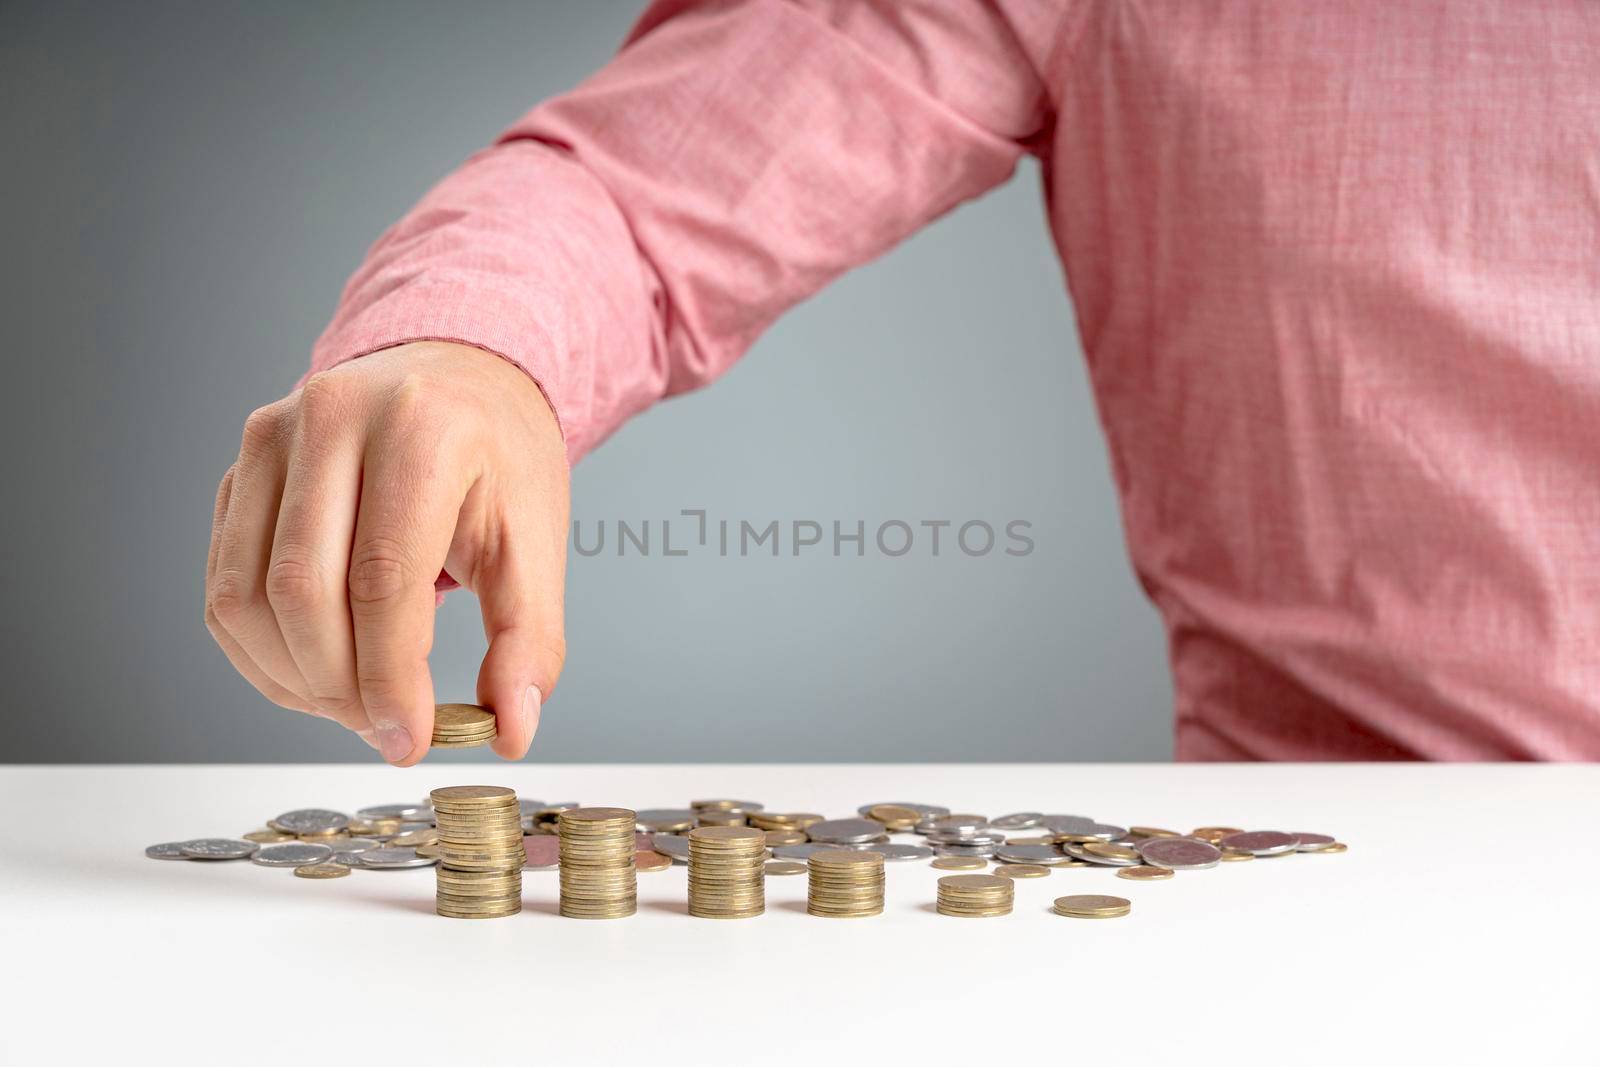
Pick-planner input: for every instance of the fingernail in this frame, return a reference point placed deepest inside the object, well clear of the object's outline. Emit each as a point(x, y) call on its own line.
point(530, 710)
point(394, 741)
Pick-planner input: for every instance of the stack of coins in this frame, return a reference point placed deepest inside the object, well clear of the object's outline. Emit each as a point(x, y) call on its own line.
point(480, 852)
point(598, 878)
point(726, 875)
point(975, 896)
point(845, 884)
point(462, 726)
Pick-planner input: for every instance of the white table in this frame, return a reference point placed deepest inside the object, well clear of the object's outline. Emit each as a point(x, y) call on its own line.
point(1460, 927)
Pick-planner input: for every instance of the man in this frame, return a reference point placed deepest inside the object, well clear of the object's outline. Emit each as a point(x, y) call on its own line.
point(1336, 269)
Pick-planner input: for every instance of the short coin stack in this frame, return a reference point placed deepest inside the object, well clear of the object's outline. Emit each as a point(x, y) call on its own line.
point(480, 852)
point(975, 896)
point(462, 726)
point(727, 876)
point(598, 878)
point(845, 884)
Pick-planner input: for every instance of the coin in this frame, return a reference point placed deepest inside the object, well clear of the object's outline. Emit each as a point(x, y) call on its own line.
point(1150, 831)
point(666, 820)
point(170, 850)
point(1069, 824)
point(725, 805)
point(542, 853)
point(844, 831)
point(960, 863)
point(784, 837)
point(311, 821)
point(1092, 906)
point(893, 813)
point(1179, 853)
point(845, 883)
point(1233, 855)
point(650, 860)
point(1336, 847)
point(1021, 820)
point(899, 853)
point(1104, 858)
point(781, 867)
point(414, 838)
point(1262, 842)
point(1014, 853)
point(1215, 834)
point(268, 837)
point(975, 896)
point(675, 848)
point(401, 812)
point(1145, 874)
point(922, 810)
point(321, 870)
point(292, 854)
point(1021, 870)
point(1313, 842)
point(216, 848)
point(392, 859)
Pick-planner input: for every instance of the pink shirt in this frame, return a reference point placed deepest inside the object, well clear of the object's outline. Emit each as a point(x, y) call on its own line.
point(1336, 268)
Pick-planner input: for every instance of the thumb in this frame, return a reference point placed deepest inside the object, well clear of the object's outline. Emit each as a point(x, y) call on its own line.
point(522, 605)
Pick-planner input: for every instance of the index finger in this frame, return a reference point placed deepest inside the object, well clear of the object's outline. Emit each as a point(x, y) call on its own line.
point(403, 530)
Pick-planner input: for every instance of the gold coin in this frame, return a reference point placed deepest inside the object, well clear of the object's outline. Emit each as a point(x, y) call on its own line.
point(1144, 874)
point(322, 870)
point(1214, 834)
point(960, 863)
point(1236, 855)
point(1068, 861)
point(1151, 831)
point(776, 838)
point(648, 859)
point(1092, 906)
point(1021, 870)
point(470, 797)
point(461, 719)
point(268, 837)
point(1110, 851)
point(887, 813)
point(785, 867)
point(415, 839)
point(718, 817)
point(1337, 846)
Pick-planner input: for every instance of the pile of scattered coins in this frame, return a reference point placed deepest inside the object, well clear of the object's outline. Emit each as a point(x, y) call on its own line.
point(483, 837)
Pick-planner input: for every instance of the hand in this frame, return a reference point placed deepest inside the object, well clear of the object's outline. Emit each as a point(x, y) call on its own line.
point(349, 497)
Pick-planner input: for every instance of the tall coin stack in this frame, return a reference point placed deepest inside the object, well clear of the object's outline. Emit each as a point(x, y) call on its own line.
point(727, 875)
point(480, 851)
point(598, 879)
point(845, 883)
point(975, 896)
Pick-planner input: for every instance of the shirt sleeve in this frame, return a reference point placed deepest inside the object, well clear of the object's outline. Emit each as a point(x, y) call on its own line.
point(630, 239)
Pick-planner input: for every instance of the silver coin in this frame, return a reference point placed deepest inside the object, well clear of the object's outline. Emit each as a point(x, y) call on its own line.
point(394, 811)
point(1179, 853)
point(357, 844)
point(1262, 842)
point(923, 810)
point(659, 819)
point(171, 850)
point(291, 854)
point(844, 831)
point(802, 852)
point(976, 837)
point(312, 821)
point(390, 859)
point(1077, 852)
point(964, 850)
point(899, 853)
point(347, 859)
point(218, 848)
point(672, 845)
point(1080, 825)
point(1027, 853)
point(958, 824)
point(1312, 842)
point(733, 805)
point(1021, 820)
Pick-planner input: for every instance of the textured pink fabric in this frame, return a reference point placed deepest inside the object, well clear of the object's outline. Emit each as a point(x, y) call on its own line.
point(1336, 269)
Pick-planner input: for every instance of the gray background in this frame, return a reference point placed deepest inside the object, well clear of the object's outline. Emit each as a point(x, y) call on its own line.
point(185, 188)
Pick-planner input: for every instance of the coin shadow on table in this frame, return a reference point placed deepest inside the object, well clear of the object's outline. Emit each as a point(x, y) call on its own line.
point(792, 905)
point(666, 907)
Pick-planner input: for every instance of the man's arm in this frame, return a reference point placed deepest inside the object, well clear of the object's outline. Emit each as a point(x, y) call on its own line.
point(623, 242)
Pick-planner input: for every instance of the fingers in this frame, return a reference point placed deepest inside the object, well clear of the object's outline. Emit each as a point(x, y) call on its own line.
point(310, 556)
point(236, 595)
point(520, 591)
point(410, 496)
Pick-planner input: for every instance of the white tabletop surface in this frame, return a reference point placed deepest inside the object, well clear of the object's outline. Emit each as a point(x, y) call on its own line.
point(1460, 927)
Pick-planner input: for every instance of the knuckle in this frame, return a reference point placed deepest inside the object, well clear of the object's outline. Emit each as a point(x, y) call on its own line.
point(230, 599)
point(263, 430)
point(378, 573)
point(323, 399)
point(294, 585)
